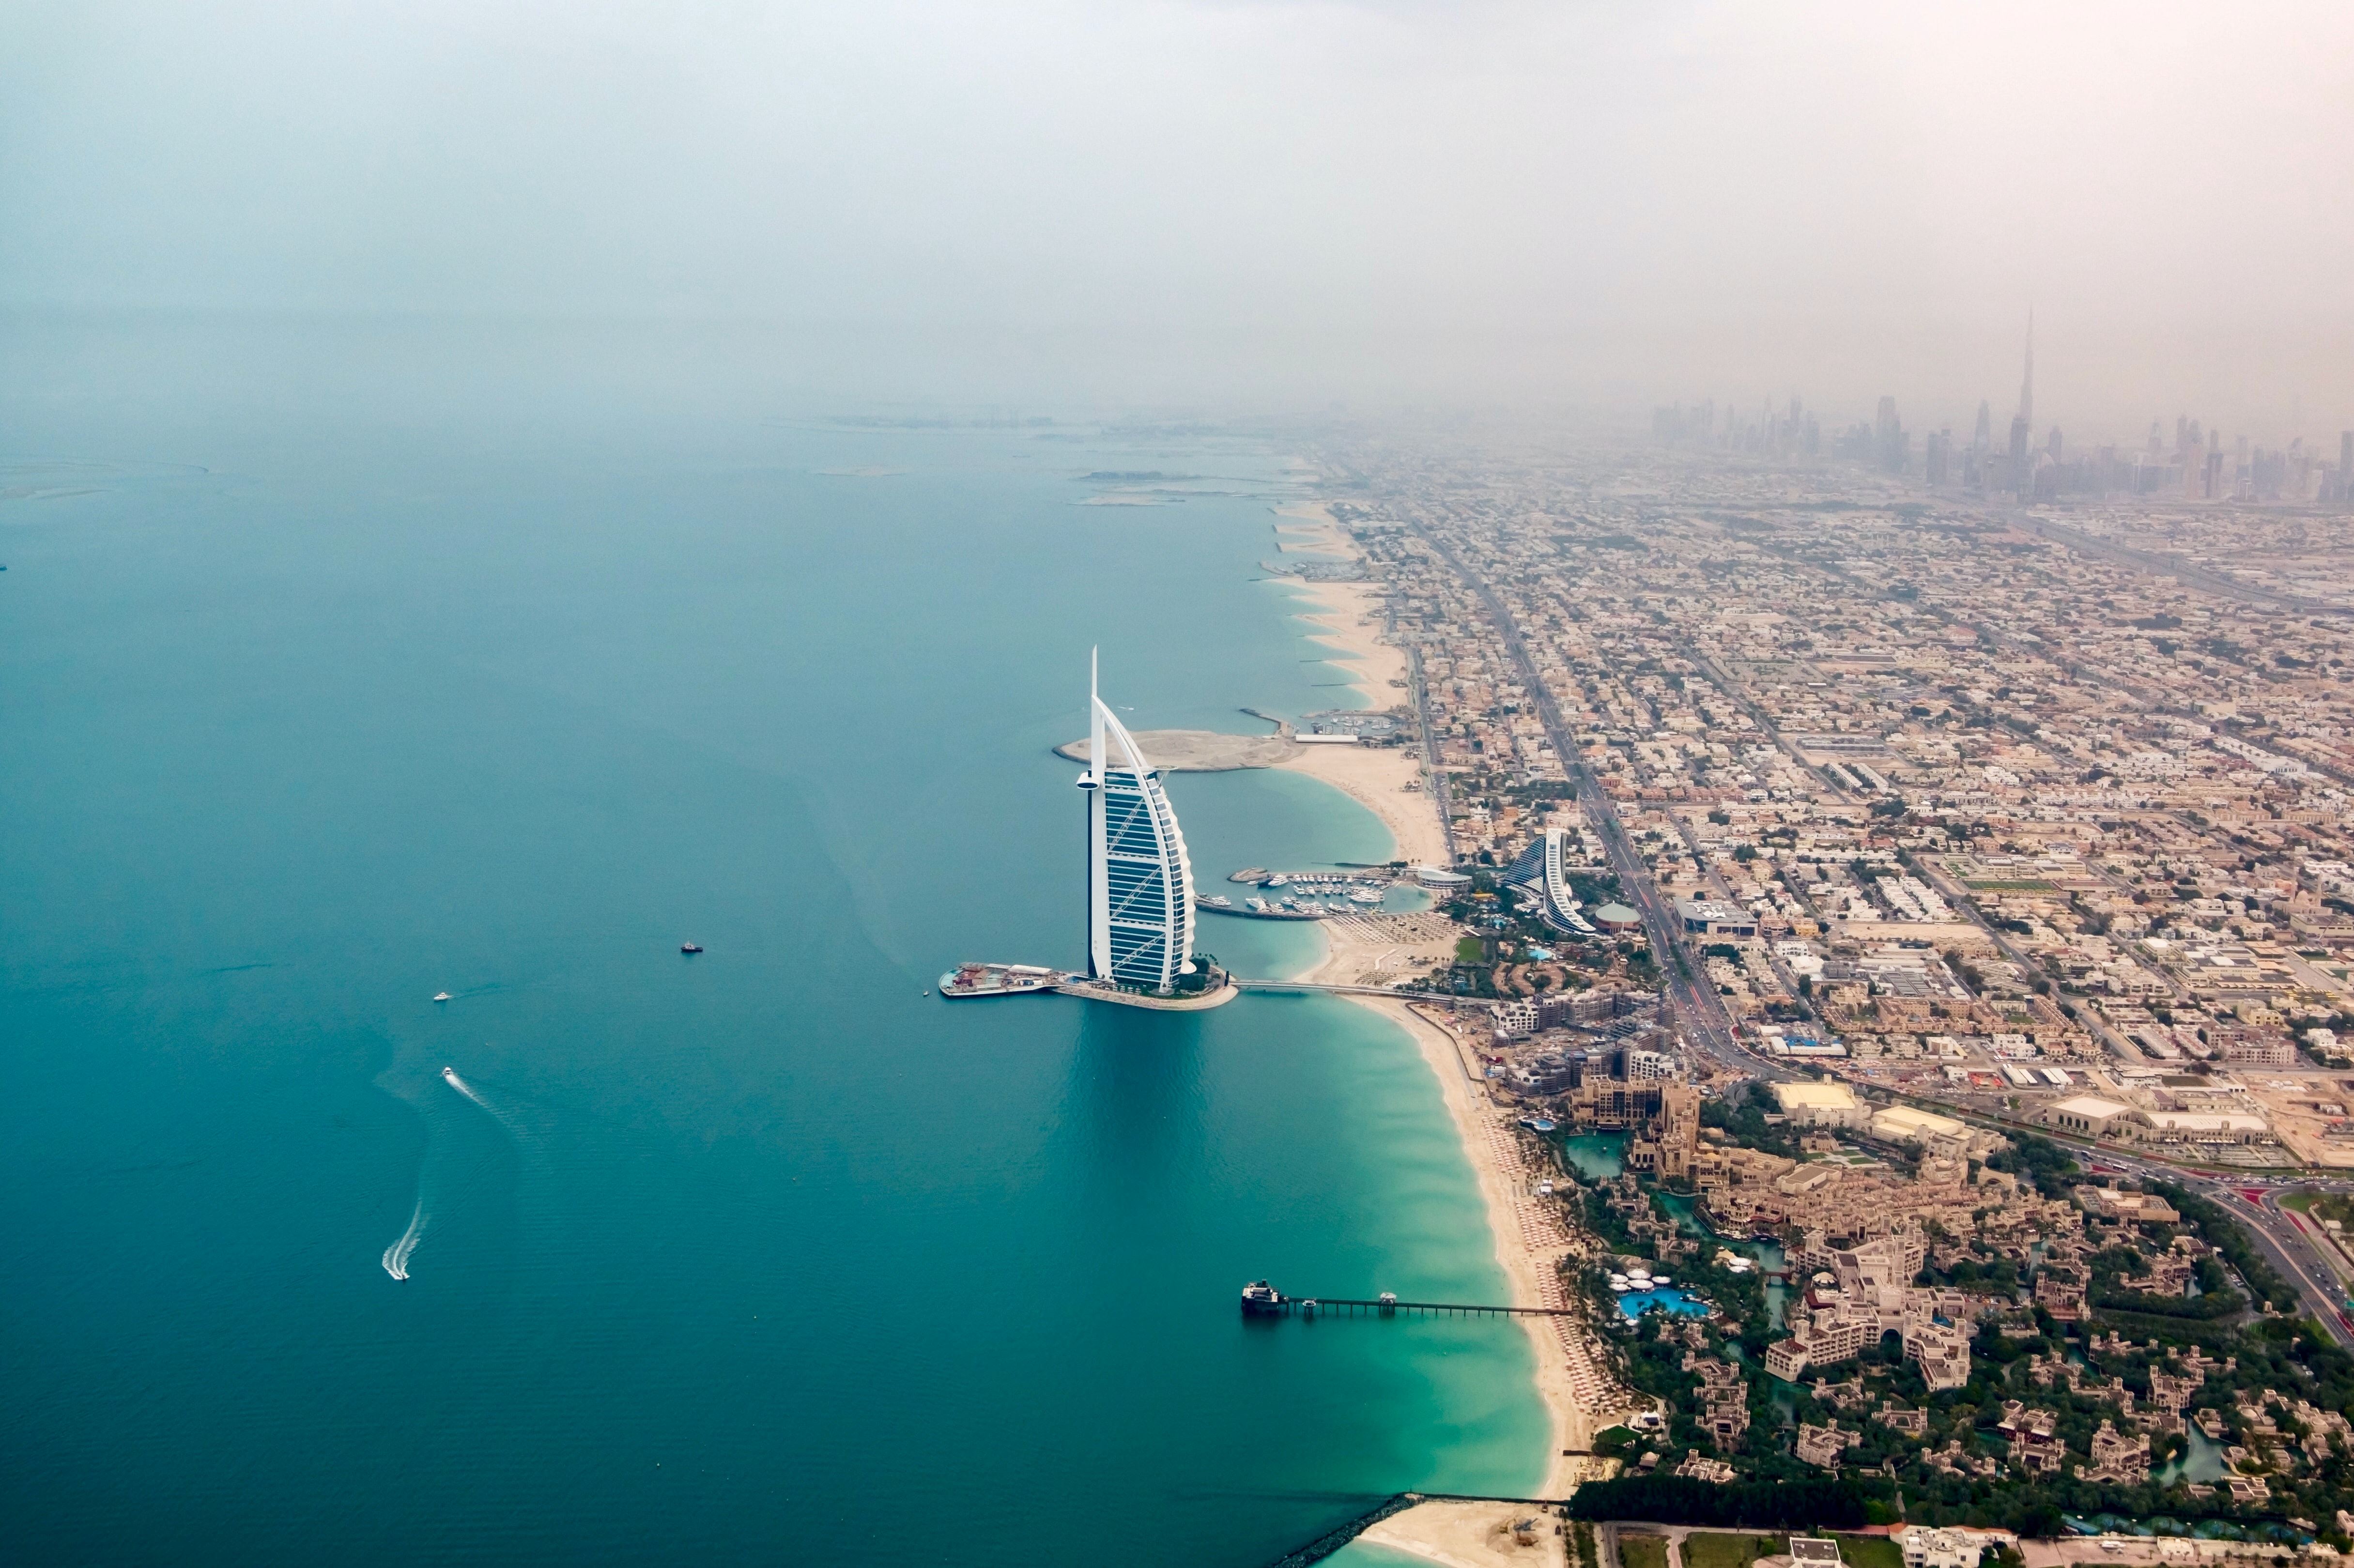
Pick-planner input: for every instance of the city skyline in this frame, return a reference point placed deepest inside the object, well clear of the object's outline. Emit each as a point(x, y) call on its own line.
point(2030, 463)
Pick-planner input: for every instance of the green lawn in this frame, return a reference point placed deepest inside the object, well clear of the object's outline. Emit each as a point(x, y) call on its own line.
point(1870, 1551)
point(1643, 1551)
point(2321, 1207)
point(1714, 1551)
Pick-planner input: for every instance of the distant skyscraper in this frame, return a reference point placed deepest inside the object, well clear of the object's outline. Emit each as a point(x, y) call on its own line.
point(2345, 465)
point(1140, 882)
point(2022, 425)
point(1985, 435)
point(1888, 437)
point(2027, 382)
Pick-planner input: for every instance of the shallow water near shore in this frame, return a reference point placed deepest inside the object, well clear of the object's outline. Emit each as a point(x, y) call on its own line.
point(317, 709)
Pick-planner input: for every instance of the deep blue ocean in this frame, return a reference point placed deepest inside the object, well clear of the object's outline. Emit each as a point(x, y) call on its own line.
point(326, 691)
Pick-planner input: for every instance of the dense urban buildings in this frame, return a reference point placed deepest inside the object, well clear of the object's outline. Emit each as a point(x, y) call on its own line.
point(1926, 866)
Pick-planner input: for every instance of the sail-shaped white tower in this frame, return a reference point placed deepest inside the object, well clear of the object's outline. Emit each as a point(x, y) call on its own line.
point(1140, 882)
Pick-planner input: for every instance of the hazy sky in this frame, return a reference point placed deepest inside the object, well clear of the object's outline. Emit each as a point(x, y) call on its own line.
point(1268, 202)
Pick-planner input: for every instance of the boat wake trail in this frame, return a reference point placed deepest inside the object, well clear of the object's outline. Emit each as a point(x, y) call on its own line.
point(395, 1256)
point(450, 1076)
point(524, 1127)
point(467, 1159)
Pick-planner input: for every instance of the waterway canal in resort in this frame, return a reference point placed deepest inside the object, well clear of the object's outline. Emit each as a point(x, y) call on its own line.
point(1600, 1157)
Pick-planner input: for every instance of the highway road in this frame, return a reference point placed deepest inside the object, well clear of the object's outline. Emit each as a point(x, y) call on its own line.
point(1692, 1000)
point(2185, 572)
point(1434, 778)
point(2279, 1235)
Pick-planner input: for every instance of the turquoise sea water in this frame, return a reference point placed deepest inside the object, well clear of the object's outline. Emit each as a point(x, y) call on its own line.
point(318, 704)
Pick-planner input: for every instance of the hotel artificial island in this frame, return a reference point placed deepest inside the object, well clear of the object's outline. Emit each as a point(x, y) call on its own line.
point(1139, 892)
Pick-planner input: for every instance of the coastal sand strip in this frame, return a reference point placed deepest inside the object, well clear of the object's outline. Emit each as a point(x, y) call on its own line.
point(1581, 1394)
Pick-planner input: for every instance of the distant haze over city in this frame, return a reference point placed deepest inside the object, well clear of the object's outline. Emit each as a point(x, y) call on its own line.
point(1258, 205)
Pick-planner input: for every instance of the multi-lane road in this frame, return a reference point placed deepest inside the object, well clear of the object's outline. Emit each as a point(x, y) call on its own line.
point(2283, 1236)
point(1693, 1002)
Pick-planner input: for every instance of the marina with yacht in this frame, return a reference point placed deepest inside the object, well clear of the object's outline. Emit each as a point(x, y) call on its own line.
point(1301, 895)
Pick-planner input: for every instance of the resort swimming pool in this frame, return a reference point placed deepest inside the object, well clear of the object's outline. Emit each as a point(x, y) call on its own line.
point(1670, 1299)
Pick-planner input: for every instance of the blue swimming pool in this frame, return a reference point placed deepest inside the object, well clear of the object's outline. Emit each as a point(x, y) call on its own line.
point(1670, 1300)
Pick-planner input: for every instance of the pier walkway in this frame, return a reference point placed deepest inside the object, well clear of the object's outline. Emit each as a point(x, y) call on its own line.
point(1307, 986)
point(1313, 1305)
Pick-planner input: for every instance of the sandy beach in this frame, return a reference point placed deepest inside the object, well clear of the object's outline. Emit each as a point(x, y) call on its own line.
point(1579, 1392)
point(1580, 1396)
point(1348, 615)
point(1377, 777)
point(1348, 619)
point(1573, 1377)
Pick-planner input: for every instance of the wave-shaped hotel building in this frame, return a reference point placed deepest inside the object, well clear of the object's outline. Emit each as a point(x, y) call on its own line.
point(1139, 880)
point(1542, 871)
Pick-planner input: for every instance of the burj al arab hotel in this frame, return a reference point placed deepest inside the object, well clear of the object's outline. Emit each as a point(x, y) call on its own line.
point(1139, 881)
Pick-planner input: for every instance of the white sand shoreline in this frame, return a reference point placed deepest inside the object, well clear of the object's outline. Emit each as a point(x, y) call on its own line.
point(1348, 621)
point(1570, 1374)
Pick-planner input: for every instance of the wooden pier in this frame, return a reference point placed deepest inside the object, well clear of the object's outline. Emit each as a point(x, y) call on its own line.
point(1277, 1305)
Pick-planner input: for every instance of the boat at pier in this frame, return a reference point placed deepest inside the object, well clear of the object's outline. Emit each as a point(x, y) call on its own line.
point(977, 979)
point(1260, 909)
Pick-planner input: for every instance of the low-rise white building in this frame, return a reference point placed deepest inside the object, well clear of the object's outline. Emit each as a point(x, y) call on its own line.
point(2089, 1115)
point(2206, 1127)
point(1925, 1548)
point(1821, 1105)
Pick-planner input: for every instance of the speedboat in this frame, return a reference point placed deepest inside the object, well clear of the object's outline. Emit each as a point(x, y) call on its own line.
point(440, 996)
point(690, 946)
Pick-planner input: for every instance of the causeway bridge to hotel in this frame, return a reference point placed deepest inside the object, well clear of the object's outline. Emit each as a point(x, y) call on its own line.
point(1306, 987)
